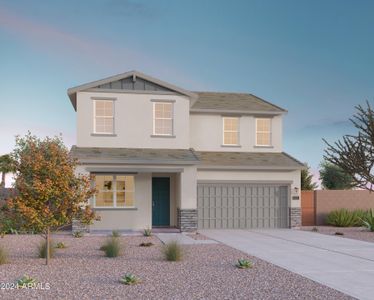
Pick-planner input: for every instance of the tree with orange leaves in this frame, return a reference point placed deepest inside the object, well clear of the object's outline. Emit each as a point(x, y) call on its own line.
point(50, 194)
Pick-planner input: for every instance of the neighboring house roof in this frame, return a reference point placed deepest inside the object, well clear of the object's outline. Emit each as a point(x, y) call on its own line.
point(248, 160)
point(118, 83)
point(134, 156)
point(207, 102)
point(234, 102)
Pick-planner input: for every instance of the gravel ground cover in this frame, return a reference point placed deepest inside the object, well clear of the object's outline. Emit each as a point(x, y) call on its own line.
point(207, 272)
point(357, 233)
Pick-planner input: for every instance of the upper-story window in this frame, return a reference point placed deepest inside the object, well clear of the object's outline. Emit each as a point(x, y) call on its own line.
point(263, 132)
point(231, 131)
point(104, 116)
point(163, 118)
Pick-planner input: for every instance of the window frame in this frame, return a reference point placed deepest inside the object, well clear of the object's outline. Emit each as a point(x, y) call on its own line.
point(237, 132)
point(155, 102)
point(115, 191)
point(104, 117)
point(270, 132)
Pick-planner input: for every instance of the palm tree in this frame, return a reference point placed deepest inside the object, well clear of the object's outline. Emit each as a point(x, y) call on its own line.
point(6, 166)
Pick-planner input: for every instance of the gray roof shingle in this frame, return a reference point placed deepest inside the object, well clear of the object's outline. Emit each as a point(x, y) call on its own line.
point(249, 160)
point(262, 160)
point(233, 102)
point(134, 156)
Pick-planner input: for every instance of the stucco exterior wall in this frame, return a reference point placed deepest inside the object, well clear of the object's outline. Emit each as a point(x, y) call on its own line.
point(141, 217)
point(206, 134)
point(329, 200)
point(187, 186)
point(291, 177)
point(133, 121)
point(137, 219)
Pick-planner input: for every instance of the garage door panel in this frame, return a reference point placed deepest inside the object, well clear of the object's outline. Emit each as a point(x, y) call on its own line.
point(240, 205)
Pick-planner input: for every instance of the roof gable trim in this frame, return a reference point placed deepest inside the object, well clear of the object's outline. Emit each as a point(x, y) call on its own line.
point(120, 80)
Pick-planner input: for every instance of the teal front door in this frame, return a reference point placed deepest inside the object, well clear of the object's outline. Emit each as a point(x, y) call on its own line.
point(161, 201)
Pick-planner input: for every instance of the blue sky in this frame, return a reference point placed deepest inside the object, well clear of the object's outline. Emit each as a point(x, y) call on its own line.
point(314, 58)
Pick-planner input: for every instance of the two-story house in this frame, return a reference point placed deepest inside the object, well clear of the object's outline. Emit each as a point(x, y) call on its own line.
point(164, 156)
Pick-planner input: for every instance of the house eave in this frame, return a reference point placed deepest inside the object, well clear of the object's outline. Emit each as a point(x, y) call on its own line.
point(248, 168)
point(135, 162)
point(237, 112)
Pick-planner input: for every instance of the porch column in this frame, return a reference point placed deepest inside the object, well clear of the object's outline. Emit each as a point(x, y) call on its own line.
point(187, 210)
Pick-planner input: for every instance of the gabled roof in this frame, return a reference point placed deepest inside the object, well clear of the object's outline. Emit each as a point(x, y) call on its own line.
point(233, 102)
point(103, 83)
point(201, 102)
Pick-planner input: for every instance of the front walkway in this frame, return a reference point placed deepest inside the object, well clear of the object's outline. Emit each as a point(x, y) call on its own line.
point(343, 264)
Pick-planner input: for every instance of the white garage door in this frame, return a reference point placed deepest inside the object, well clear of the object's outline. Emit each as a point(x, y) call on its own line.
point(242, 205)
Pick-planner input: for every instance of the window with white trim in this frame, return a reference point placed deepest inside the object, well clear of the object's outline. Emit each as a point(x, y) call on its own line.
point(230, 131)
point(104, 116)
point(163, 118)
point(116, 191)
point(263, 132)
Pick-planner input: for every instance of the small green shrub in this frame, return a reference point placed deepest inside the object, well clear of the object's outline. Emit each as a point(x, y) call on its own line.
point(368, 220)
point(341, 218)
point(78, 234)
point(149, 244)
point(147, 232)
point(42, 249)
point(359, 215)
point(60, 245)
point(112, 247)
point(3, 256)
point(346, 218)
point(173, 251)
point(25, 281)
point(115, 233)
point(129, 279)
point(244, 264)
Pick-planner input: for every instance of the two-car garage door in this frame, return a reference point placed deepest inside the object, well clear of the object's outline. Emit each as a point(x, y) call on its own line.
point(242, 205)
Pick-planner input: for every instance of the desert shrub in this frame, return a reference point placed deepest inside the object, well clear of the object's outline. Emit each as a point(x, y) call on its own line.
point(42, 249)
point(149, 244)
point(368, 220)
point(112, 247)
point(116, 233)
point(244, 264)
point(342, 218)
point(3, 256)
point(173, 251)
point(147, 232)
point(26, 281)
point(78, 234)
point(129, 279)
point(60, 245)
point(358, 216)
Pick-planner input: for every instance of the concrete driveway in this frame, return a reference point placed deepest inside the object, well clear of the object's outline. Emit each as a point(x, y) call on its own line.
point(343, 264)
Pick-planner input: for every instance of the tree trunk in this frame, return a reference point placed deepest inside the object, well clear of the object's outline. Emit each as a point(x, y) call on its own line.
point(2, 184)
point(48, 245)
